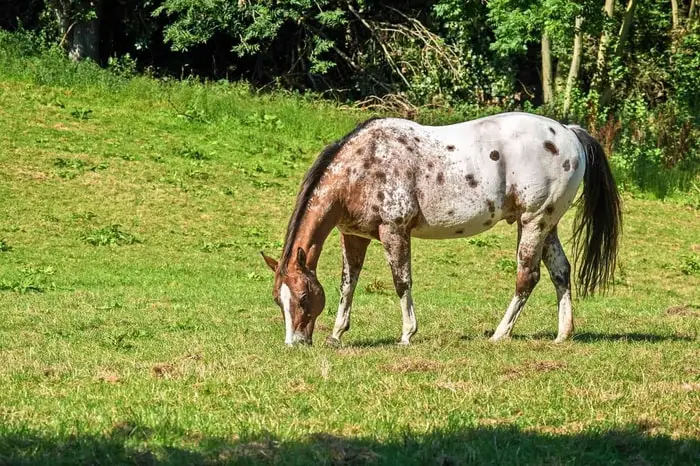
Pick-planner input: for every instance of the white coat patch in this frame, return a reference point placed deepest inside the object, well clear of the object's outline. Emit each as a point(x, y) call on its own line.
point(286, 298)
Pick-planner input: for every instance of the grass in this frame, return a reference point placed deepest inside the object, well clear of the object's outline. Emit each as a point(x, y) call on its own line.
point(137, 324)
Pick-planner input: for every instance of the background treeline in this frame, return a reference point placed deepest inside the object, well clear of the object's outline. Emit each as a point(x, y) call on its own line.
point(628, 70)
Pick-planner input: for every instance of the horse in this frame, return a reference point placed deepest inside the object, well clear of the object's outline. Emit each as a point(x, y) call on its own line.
point(392, 179)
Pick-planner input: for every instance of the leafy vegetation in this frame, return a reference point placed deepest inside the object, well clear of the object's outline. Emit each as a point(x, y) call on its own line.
point(170, 350)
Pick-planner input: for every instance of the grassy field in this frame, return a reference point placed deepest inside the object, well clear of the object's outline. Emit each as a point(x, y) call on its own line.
point(137, 324)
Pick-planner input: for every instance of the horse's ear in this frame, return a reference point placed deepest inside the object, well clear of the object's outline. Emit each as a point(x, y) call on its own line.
point(269, 261)
point(301, 258)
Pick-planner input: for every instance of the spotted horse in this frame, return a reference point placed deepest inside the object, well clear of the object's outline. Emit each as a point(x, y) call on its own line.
point(392, 179)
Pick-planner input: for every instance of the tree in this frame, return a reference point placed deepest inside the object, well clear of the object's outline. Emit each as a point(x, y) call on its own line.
point(79, 26)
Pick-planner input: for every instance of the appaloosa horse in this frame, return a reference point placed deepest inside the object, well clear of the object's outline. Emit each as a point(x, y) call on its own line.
point(391, 179)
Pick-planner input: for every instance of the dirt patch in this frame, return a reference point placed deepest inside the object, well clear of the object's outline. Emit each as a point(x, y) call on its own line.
point(514, 372)
point(109, 377)
point(691, 386)
point(684, 310)
point(162, 370)
point(407, 365)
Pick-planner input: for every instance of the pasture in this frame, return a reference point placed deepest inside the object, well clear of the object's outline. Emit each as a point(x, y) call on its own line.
point(137, 323)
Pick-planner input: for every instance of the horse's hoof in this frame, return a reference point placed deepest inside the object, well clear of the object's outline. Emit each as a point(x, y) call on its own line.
point(562, 339)
point(333, 342)
point(403, 343)
point(495, 339)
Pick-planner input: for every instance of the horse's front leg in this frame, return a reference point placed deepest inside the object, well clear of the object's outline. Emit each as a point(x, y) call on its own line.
point(354, 249)
point(397, 246)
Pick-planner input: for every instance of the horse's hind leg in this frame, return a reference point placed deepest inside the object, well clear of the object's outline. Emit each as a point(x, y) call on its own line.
point(354, 249)
point(560, 272)
point(531, 240)
point(397, 246)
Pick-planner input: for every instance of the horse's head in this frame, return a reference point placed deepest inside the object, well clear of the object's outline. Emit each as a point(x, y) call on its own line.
point(300, 295)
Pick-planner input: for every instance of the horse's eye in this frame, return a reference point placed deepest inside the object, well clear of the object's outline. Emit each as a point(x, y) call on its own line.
point(303, 301)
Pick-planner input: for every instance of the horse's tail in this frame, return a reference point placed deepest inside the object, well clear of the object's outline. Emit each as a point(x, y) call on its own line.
point(598, 222)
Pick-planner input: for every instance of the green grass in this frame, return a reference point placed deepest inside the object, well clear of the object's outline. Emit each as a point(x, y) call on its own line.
point(137, 323)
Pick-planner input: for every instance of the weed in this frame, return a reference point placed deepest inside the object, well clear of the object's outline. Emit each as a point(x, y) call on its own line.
point(4, 245)
point(81, 113)
point(82, 216)
point(188, 152)
point(690, 264)
point(377, 286)
point(32, 280)
point(507, 265)
point(71, 168)
point(206, 246)
point(483, 241)
point(111, 235)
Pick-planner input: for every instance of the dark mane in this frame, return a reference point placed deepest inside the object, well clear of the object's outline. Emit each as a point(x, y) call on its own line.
point(308, 185)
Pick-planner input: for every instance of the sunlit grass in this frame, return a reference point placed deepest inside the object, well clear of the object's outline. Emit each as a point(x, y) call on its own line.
point(137, 325)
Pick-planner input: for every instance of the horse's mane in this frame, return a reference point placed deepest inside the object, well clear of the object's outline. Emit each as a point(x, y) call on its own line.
point(309, 184)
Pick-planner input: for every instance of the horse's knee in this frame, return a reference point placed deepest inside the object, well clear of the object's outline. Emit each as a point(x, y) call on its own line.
point(402, 287)
point(527, 278)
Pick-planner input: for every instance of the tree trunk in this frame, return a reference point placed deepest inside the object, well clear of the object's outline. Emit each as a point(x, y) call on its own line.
point(547, 89)
point(601, 62)
point(674, 13)
point(575, 65)
point(691, 10)
point(606, 94)
point(79, 26)
point(85, 40)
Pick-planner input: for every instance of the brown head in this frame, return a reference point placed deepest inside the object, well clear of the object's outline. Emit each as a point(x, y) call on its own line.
point(299, 295)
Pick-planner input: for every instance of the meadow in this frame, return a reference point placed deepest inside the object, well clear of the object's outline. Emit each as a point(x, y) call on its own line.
point(137, 324)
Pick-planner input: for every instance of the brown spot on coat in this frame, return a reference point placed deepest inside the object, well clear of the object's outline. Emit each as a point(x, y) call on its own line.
point(430, 165)
point(375, 208)
point(487, 223)
point(575, 164)
point(494, 155)
point(450, 212)
point(550, 147)
point(380, 196)
point(549, 209)
point(492, 206)
point(459, 232)
point(472, 182)
point(566, 165)
point(552, 130)
point(440, 178)
point(402, 140)
point(450, 148)
point(381, 176)
point(416, 138)
point(542, 225)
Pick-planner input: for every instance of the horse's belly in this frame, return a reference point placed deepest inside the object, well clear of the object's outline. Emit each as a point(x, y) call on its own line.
point(454, 228)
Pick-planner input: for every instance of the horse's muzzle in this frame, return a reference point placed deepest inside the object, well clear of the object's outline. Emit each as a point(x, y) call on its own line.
point(300, 339)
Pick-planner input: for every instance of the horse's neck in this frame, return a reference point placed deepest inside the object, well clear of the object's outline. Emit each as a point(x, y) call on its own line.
point(319, 220)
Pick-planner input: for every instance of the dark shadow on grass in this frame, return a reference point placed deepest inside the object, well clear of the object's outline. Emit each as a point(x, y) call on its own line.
point(594, 337)
point(479, 445)
point(372, 342)
point(591, 337)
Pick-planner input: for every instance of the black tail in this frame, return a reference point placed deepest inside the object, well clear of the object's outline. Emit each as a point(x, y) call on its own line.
point(598, 222)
